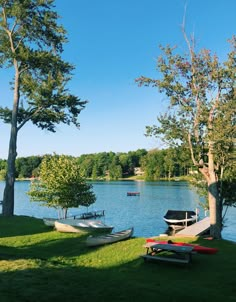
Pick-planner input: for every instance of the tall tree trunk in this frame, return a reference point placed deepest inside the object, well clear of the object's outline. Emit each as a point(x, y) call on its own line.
point(8, 197)
point(214, 198)
point(215, 210)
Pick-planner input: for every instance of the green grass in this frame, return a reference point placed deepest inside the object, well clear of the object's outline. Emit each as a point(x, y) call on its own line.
point(39, 264)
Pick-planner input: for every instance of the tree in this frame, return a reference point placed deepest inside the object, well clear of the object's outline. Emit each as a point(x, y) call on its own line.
point(115, 169)
point(31, 45)
point(25, 165)
point(94, 172)
point(152, 164)
point(202, 96)
point(61, 185)
point(170, 162)
point(126, 164)
point(3, 165)
point(86, 163)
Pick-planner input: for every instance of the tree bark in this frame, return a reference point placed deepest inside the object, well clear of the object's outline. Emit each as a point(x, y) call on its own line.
point(215, 210)
point(8, 197)
point(213, 196)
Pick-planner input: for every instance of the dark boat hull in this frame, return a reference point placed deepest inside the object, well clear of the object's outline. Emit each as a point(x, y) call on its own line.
point(180, 218)
point(133, 193)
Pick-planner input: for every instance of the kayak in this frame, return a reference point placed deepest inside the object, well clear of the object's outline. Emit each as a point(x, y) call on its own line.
point(196, 248)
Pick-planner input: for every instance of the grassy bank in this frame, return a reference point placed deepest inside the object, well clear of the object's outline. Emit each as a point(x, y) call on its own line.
point(39, 264)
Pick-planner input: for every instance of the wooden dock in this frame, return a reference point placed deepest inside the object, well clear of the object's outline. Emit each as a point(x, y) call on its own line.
point(196, 229)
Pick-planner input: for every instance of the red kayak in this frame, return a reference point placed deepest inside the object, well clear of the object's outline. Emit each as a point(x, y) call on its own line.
point(196, 248)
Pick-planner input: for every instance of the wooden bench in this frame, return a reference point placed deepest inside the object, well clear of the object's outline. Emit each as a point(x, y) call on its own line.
point(168, 252)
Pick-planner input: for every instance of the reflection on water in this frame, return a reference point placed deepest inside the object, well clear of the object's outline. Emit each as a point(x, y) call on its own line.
point(144, 212)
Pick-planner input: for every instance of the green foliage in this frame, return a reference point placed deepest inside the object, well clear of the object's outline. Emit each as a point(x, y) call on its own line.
point(3, 173)
point(116, 165)
point(61, 185)
point(26, 165)
point(196, 84)
point(3, 168)
point(198, 87)
point(201, 94)
point(166, 163)
point(115, 172)
point(31, 46)
point(152, 164)
point(155, 163)
point(228, 187)
point(200, 185)
point(33, 41)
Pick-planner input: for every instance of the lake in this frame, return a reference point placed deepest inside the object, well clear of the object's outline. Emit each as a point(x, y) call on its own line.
point(144, 212)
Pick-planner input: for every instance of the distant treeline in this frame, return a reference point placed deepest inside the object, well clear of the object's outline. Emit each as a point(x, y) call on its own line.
point(148, 165)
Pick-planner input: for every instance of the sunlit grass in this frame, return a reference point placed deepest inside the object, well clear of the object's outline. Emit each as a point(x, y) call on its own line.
point(38, 263)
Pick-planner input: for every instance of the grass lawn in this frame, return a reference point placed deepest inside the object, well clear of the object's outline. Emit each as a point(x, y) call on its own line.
point(40, 264)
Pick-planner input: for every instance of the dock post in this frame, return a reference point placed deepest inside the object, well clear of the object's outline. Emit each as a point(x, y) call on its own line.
point(197, 213)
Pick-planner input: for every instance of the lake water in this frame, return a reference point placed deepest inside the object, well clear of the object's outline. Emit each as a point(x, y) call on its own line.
point(145, 212)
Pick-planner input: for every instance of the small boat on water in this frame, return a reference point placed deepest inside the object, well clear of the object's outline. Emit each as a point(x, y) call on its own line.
point(109, 238)
point(133, 193)
point(82, 226)
point(180, 218)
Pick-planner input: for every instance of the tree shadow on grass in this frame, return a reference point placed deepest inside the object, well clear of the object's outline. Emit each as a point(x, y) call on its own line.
point(131, 280)
point(70, 284)
point(46, 249)
point(21, 225)
point(59, 266)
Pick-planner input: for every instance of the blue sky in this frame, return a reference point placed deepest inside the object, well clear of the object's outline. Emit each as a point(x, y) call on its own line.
point(112, 42)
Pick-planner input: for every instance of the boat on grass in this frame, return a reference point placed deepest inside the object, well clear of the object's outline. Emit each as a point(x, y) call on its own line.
point(50, 221)
point(109, 238)
point(82, 226)
point(196, 248)
point(180, 218)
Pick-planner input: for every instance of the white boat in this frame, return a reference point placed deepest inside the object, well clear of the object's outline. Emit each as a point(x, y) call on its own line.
point(82, 225)
point(49, 221)
point(180, 218)
point(109, 238)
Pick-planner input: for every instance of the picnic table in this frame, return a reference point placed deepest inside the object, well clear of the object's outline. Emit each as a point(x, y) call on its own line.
point(168, 252)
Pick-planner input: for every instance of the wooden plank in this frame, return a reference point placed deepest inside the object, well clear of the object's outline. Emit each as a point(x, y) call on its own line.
point(176, 228)
point(195, 229)
point(178, 254)
point(167, 259)
point(172, 248)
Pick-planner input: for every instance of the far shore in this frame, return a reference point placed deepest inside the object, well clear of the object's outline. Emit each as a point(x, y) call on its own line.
point(133, 178)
